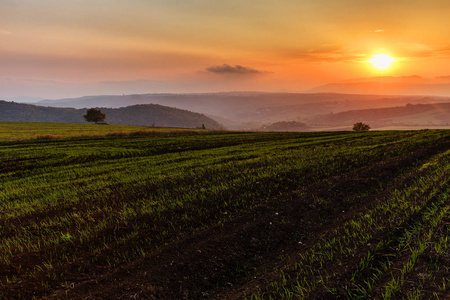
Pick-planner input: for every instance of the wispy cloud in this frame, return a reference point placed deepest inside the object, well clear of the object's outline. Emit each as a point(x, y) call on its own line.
point(379, 30)
point(420, 51)
point(237, 69)
point(401, 52)
point(5, 32)
point(327, 53)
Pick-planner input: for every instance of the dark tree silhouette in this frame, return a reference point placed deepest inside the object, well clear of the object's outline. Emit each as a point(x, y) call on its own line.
point(94, 115)
point(361, 127)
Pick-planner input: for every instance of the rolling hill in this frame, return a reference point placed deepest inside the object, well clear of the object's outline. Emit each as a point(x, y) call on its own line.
point(408, 116)
point(251, 110)
point(143, 115)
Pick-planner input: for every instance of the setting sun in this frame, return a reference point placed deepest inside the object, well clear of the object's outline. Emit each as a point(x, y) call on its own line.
point(381, 61)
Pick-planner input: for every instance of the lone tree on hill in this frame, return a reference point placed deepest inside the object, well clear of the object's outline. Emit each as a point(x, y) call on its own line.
point(94, 115)
point(361, 127)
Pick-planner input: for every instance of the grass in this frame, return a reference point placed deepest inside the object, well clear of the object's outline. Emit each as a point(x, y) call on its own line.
point(77, 208)
point(16, 131)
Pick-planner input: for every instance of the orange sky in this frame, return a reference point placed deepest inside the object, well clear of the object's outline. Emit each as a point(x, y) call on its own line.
point(204, 45)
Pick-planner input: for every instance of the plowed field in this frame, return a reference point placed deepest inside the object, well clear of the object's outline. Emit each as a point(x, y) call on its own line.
point(226, 215)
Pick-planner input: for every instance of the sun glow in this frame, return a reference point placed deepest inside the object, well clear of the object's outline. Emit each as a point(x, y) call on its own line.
point(382, 61)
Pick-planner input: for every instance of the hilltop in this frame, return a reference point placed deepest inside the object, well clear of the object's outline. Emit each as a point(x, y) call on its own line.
point(141, 115)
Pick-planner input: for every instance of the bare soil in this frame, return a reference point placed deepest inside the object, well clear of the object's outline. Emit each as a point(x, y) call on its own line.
point(234, 256)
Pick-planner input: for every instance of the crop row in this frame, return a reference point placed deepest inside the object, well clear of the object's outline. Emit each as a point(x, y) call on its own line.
point(79, 207)
point(379, 247)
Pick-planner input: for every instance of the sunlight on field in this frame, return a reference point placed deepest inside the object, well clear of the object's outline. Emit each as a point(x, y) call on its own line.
point(12, 131)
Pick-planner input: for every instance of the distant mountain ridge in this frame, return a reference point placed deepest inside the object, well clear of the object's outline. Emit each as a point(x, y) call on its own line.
point(141, 115)
point(412, 115)
point(390, 85)
point(251, 110)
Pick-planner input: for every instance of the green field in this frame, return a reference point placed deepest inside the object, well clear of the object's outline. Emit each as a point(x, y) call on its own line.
point(223, 215)
point(15, 131)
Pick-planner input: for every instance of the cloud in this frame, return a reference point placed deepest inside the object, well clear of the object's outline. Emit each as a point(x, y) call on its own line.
point(325, 53)
point(237, 69)
point(422, 51)
point(5, 32)
point(379, 30)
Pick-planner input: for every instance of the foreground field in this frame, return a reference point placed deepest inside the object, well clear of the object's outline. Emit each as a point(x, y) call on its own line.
point(226, 216)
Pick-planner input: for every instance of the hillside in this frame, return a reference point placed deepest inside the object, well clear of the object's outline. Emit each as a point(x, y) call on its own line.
point(424, 115)
point(142, 115)
point(226, 215)
point(251, 110)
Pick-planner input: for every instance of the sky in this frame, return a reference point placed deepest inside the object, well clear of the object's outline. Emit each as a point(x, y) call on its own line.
point(57, 49)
